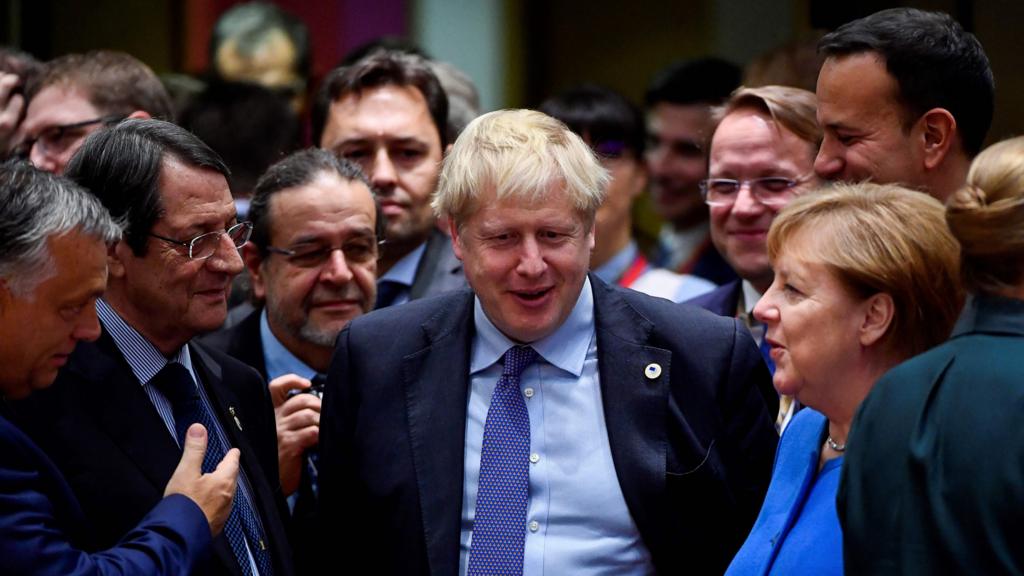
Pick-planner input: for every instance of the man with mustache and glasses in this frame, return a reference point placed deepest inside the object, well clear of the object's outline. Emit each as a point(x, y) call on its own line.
point(313, 262)
point(115, 419)
point(388, 113)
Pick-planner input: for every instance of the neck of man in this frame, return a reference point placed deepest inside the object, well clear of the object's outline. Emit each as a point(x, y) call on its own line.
point(609, 243)
point(949, 177)
point(313, 355)
point(393, 251)
point(165, 338)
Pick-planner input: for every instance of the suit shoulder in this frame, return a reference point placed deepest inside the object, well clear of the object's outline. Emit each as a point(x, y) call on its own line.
point(670, 317)
point(403, 320)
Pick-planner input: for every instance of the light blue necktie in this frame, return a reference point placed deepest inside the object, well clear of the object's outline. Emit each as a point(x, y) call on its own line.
point(503, 493)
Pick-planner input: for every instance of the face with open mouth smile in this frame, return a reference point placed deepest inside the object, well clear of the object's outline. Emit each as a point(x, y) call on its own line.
point(526, 261)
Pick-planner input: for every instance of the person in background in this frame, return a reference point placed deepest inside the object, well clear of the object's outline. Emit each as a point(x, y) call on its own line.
point(389, 114)
point(866, 276)
point(761, 157)
point(945, 494)
point(905, 97)
point(78, 94)
point(614, 129)
point(16, 70)
point(53, 266)
point(261, 43)
point(678, 107)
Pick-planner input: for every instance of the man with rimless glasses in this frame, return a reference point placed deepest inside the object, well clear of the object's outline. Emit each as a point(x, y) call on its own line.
point(116, 413)
point(78, 94)
point(761, 157)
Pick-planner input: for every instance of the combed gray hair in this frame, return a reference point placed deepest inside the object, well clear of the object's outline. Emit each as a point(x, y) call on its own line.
point(35, 205)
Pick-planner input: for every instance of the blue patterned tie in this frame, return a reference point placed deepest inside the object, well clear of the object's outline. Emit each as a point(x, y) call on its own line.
point(503, 493)
point(175, 382)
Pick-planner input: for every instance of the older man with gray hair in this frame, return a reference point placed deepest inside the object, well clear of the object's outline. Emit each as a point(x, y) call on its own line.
point(543, 422)
point(53, 267)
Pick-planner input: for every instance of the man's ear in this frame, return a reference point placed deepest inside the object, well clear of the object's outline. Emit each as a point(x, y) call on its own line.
point(939, 132)
point(116, 255)
point(453, 231)
point(878, 315)
point(253, 262)
point(140, 115)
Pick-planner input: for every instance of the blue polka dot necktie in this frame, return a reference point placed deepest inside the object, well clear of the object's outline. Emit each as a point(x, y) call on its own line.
point(175, 382)
point(503, 492)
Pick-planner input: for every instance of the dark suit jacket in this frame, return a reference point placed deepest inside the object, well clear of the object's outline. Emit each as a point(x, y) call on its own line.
point(43, 531)
point(100, 428)
point(693, 448)
point(242, 341)
point(439, 270)
point(933, 481)
point(723, 301)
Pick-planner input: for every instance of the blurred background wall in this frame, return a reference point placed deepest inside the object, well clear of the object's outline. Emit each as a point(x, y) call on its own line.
point(517, 51)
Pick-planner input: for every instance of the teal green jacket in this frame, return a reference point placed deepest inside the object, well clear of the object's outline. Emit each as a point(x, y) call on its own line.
point(933, 481)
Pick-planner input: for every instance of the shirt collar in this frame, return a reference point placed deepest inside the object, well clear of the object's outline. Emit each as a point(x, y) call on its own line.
point(143, 357)
point(278, 359)
point(404, 271)
point(612, 270)
point(565, 348)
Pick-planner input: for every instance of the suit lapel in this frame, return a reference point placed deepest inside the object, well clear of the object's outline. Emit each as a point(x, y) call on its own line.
point(634, 381)
point(436, 381)
point(124, 411)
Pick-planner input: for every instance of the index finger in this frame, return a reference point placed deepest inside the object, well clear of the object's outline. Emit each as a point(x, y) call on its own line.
point(282, 385)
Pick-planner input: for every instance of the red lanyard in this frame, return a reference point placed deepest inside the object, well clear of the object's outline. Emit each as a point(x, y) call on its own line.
point(634, 271)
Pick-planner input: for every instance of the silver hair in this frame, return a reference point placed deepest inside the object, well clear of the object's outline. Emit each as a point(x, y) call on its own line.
point(35, 206)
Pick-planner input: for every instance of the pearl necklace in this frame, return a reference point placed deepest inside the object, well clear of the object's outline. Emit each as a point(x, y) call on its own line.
point(833, 445)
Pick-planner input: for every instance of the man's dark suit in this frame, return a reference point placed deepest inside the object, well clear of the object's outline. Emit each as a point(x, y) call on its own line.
point(724, 301)
point(43, 531)
point(242, 341)
point(100, 428)
point(693, 447)
point(439, 270)
point(933, 481)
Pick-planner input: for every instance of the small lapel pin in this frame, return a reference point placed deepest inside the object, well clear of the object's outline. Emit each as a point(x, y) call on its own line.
point(235, 416)
point(652, 371)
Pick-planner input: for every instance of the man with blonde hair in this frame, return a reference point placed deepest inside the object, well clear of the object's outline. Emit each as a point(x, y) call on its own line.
point(543, 422)
point(761, 157)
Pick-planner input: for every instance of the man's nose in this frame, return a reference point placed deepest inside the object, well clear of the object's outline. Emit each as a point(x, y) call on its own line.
point(336, 269)
point(383, 174)
point(828, 164)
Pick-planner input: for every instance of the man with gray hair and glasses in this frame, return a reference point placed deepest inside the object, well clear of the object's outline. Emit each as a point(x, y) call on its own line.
point(169, 278)
point(53, 267)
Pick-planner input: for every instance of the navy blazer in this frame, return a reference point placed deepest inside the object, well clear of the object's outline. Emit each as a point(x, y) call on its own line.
point(722, 300)
point(692, 449)
point(933, 481)
point(43, 531)
point(439, 270)
point(101, 429)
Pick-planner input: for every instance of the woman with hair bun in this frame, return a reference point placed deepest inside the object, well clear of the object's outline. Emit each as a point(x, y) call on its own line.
point(934, 476)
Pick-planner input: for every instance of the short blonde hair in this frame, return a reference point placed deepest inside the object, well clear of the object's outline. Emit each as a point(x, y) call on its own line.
point(987, 218)
point(883, 239)
point(794, 109)
point(519, 154)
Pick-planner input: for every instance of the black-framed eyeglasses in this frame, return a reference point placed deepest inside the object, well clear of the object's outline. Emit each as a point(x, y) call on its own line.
point(205, 245)
point(356, 251)
point(769, 190)
point(55, 138)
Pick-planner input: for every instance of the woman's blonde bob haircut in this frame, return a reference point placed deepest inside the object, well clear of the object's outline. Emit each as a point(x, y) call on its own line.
point(987, 218)
point(882, 239)
point(518, 154)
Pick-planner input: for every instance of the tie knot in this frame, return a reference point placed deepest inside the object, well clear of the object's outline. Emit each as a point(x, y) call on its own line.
point(516, 359)
point(174, 382)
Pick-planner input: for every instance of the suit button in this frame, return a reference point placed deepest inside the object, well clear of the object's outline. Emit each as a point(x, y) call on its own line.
point(534, 526)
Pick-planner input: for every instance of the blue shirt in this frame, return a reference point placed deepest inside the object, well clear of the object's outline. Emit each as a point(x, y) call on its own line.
point(278, 359)
point(146, 361)
point(404, 273)
point(577, 519)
